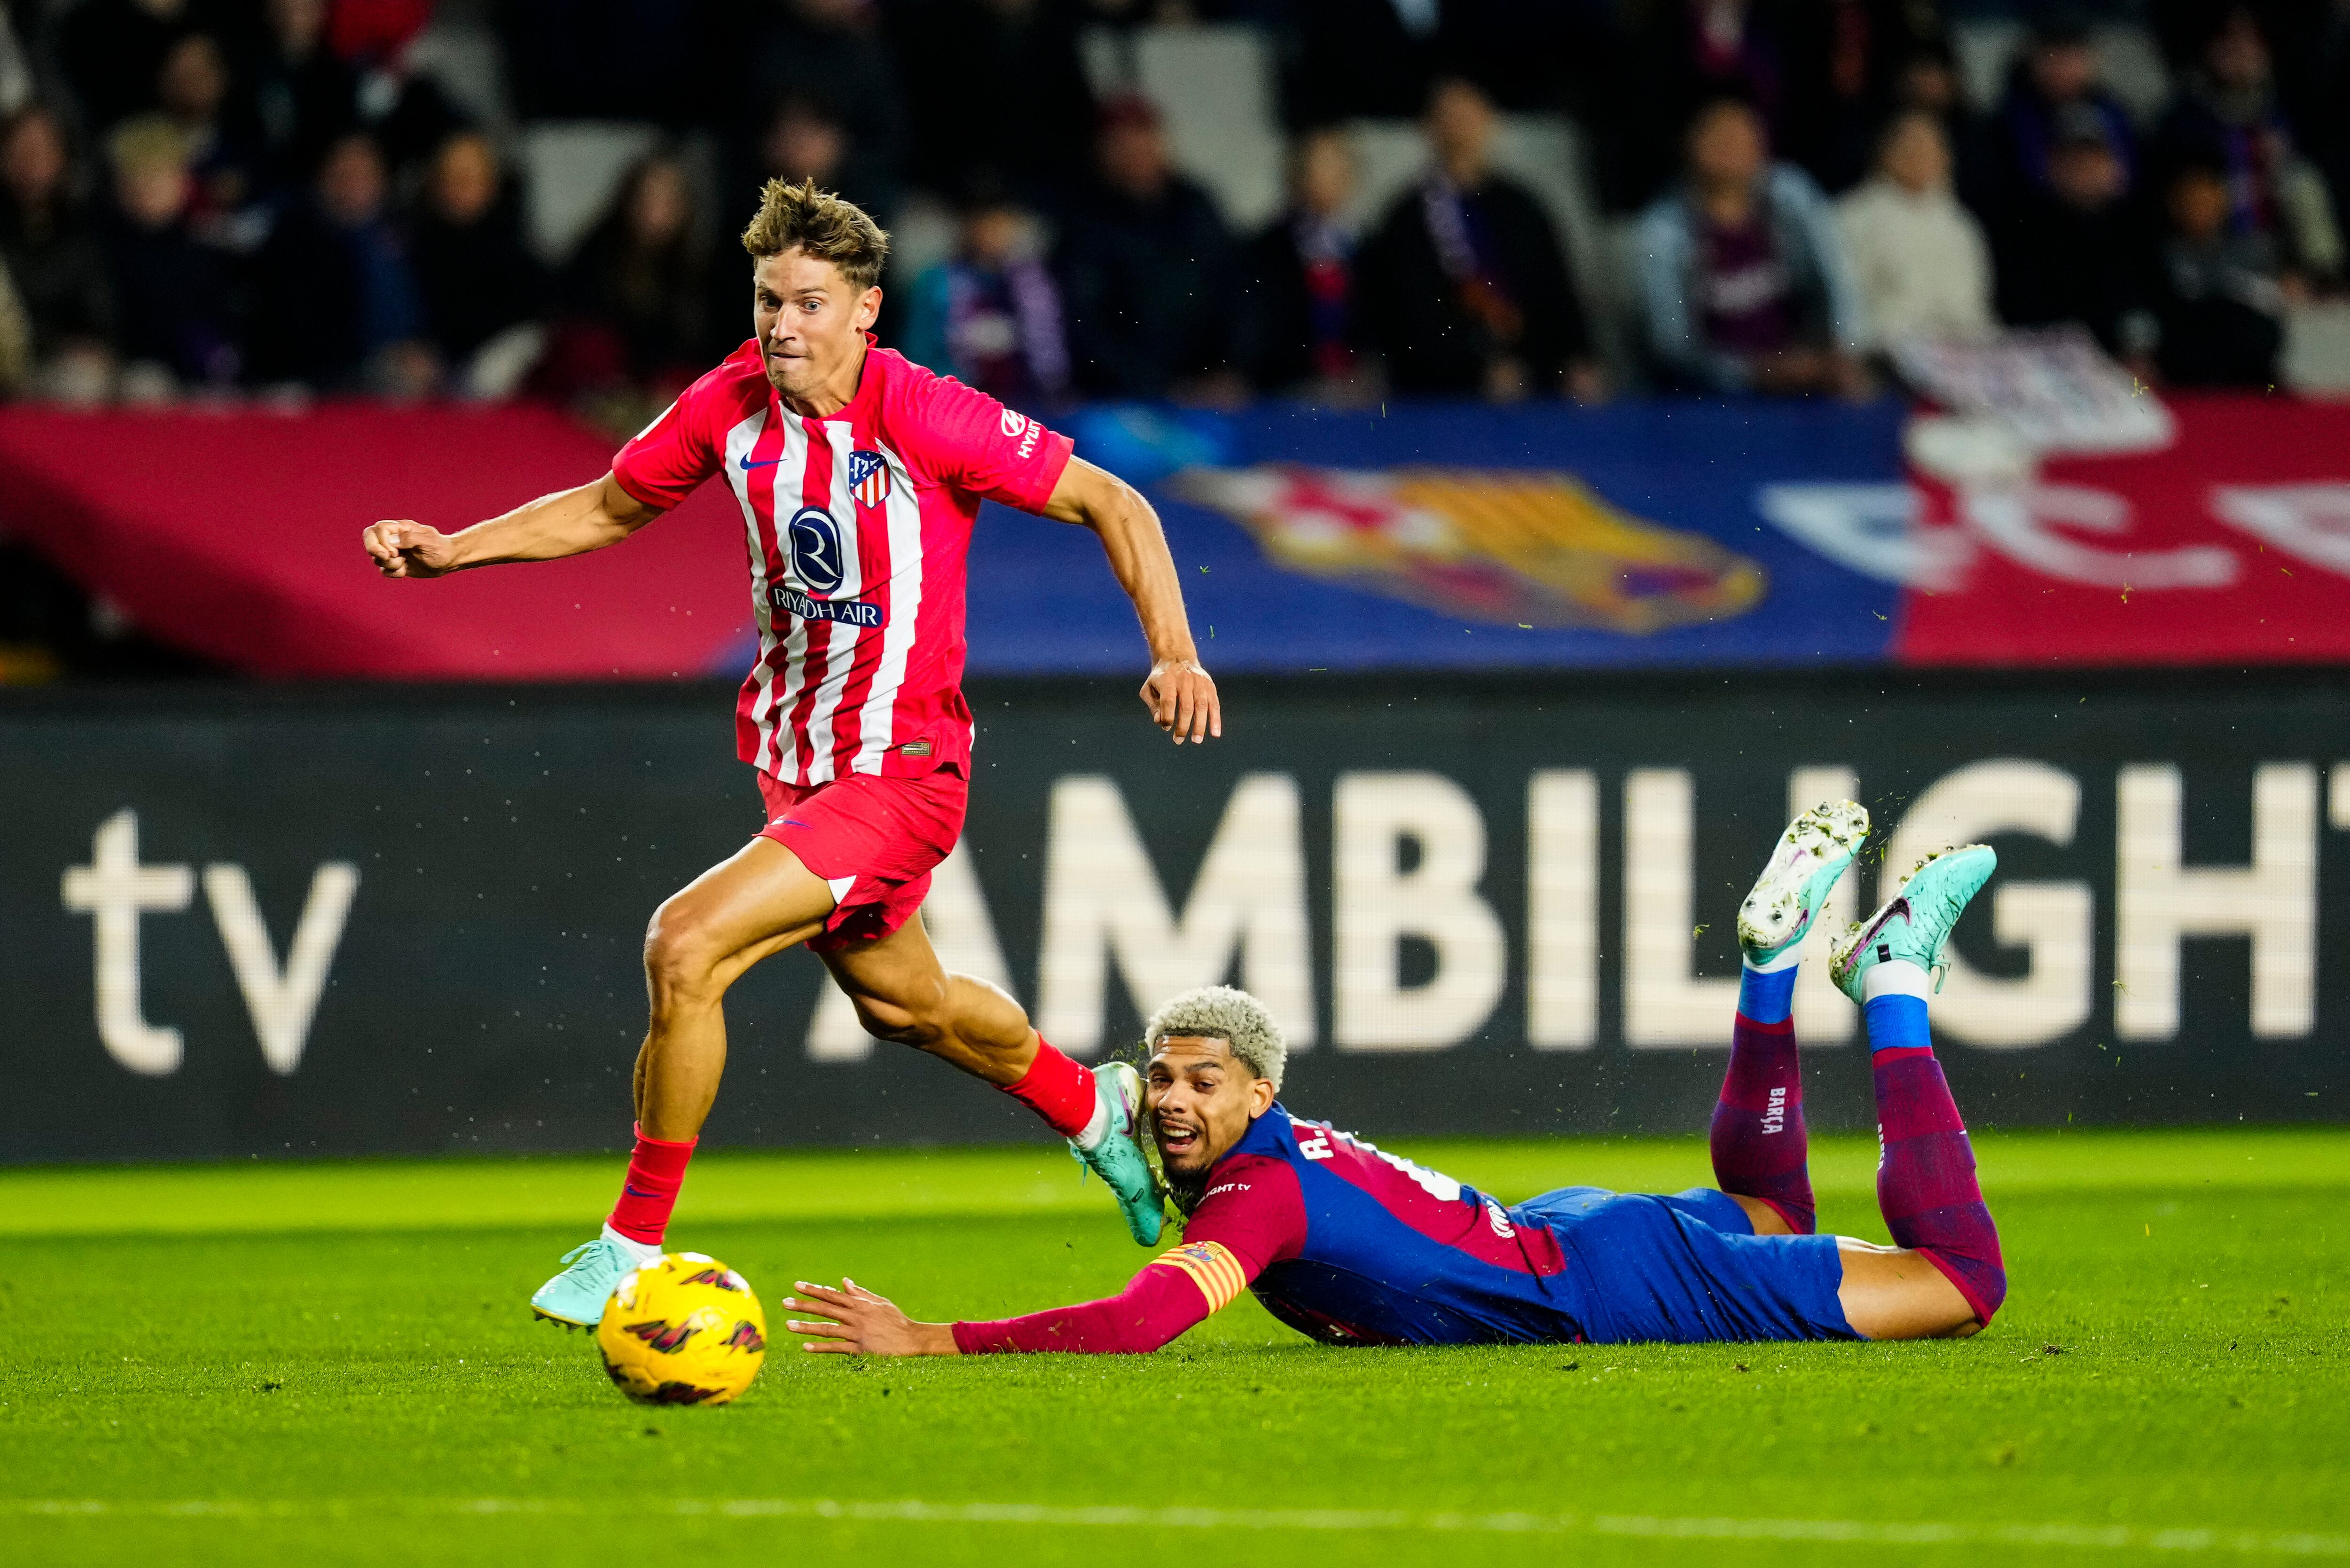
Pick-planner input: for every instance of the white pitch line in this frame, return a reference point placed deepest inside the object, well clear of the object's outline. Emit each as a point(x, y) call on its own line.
point(1832, 1531)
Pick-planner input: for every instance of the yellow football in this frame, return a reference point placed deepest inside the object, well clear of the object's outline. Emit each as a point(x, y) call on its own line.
point(684, 1330)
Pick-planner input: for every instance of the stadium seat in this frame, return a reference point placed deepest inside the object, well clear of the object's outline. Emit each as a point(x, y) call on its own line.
point(1214, 85)
point(2128, 57)
point(570, 169)
point(2131, 62)
point(2317, 349)
point(463, 58)
point(1985, 47)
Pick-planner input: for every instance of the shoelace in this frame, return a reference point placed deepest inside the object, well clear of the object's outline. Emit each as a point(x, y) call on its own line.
point(585, 1248)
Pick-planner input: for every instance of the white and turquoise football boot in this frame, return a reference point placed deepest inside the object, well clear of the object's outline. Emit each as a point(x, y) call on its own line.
point(1812, 855)
point(1117, 1156)
point(575, 1297)
point(1916, 921)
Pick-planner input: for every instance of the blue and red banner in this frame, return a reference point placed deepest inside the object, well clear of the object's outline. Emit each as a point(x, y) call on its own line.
point(1643, 534)
point(1677, 534)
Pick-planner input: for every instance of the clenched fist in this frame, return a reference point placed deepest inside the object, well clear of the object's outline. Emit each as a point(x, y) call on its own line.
point(405, 549)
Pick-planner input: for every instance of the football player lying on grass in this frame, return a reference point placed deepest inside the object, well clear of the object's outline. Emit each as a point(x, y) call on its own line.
point(1354, 1246)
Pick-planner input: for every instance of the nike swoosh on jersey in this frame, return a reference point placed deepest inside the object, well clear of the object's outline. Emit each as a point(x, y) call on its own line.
point(764, 463)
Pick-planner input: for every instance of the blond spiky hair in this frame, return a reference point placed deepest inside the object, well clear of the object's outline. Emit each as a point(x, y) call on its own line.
point(1221, 1012)
point(820, 224)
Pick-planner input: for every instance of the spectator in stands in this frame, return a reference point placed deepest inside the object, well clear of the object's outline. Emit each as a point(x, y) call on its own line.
point(15, 338)
point(650, 305)
point(56, 259)
point(1467, 289)
point(2075, 251)
point(991, 314)
point(341, 311)
point(994, 87)
point(1301, 286)
point(2217, 305)
point(1744, 280)
point(2227, 114)
point(829, 50)
point(1147, 271)
point(172, 308)
point(403, 111)
point(803, 141)
point(1929, 82)
point(1845, 62)
point(2058, 79)
point(297, 96)
point(476, 277)
point(190, 90)
point(1681, 55)
point(112, 51)
point(1918, 258)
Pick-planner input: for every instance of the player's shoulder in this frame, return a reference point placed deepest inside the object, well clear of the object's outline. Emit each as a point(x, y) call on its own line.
point(1271, 1135)
point(916, 401)
point(1254, 1176)
point(735, 384)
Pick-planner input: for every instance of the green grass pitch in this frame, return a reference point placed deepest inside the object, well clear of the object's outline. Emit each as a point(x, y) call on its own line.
point(335, 1362)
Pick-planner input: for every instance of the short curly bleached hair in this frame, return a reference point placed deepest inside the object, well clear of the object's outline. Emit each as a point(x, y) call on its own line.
point(1222, 1012)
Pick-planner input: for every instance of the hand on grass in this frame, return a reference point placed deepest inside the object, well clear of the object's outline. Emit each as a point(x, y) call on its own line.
point(863, 1324)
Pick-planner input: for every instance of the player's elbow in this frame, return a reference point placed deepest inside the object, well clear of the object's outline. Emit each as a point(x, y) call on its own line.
point(1096, 498)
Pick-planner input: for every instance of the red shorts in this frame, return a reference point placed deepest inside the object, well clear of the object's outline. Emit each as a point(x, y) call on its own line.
point(875, 839)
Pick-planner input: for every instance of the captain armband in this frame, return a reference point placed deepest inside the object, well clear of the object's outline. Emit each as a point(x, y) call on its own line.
point(1212, 1268)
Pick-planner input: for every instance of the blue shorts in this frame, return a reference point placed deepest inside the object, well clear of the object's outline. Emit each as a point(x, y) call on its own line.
point(1688, 1269)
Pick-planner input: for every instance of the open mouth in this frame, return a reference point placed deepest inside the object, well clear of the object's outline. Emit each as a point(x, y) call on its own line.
point(1176, 1138)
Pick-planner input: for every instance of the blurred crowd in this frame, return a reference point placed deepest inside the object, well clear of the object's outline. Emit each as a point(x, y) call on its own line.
point(264, 197)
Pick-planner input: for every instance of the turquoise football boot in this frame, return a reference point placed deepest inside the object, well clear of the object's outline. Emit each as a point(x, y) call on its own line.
point(1117, 1158)
point(1916, 921)
point(575, 1297)
point(1812, 855)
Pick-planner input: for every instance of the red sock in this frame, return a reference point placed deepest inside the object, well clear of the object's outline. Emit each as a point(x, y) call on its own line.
point(1925, 1177)
point(1057, 1089)
point(649, 1191)
point(1760, 1147)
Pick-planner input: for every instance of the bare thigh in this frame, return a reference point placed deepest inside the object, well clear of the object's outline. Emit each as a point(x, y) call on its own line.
point(1889, 1293)
point(755, 902)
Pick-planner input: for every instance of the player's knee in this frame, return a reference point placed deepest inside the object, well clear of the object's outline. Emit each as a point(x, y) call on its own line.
point(681, 958)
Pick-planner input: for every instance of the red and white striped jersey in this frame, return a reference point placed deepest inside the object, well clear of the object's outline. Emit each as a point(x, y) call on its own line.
point(859, 529)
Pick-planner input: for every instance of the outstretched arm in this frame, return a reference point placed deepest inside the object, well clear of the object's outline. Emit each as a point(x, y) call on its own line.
point(1175, 1291)
point(1180, 694)
point(566, 522)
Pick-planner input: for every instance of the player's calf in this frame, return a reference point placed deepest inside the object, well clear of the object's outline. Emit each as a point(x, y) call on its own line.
point(1761, 1149)
point(1925, 1183)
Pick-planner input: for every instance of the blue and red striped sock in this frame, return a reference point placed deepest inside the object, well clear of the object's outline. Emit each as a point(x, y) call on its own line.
point(1760, 1147)
point(1926, 1173)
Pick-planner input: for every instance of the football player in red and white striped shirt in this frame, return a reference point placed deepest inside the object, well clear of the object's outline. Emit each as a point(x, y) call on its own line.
point(859, 475)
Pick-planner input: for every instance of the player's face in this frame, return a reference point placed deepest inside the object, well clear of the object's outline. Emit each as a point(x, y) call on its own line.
point(1201, 1098)
point(811, 323)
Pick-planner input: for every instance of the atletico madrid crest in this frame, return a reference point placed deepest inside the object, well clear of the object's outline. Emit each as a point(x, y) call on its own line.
point(869, 477)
